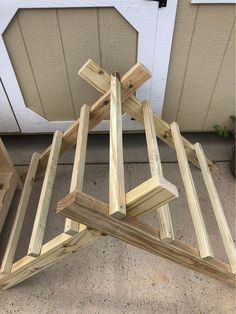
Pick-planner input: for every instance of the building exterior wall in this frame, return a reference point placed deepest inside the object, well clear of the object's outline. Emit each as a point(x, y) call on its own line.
point(200, 89)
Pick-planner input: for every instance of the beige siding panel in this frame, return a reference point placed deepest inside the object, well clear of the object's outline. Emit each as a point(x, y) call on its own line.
point(209, 42)
point(79, 32)
point(18, 55)
point(118, 41)
point(184, 25)
point(223, 101)
point(42, 38)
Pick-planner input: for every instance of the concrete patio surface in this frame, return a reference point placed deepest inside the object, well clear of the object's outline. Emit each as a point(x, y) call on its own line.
point(111, 276)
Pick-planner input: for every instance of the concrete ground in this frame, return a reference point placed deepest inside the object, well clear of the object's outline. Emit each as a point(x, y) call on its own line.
point(111, 276)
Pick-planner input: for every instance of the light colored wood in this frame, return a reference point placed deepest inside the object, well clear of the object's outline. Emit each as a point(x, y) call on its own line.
point(163, 212)
point(99, 79)
point(51, 252)
point(19, 218)
point(94, 213)
point(217, 208)
point(199, 46)
point(117, 206)
point(138, 74)
point(10, 189)
point(72, 227)
point(204, 245)
point(224, 92)
point(39, 226)
point(149, 195)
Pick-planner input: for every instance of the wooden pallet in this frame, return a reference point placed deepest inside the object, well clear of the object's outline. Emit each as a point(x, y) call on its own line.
point(9, 179)
point(88, 219)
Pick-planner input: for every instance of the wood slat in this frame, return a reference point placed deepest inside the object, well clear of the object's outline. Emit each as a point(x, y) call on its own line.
point(100, 110)
point(163, 212)
point(217, 208)
point(72, 227)
point(192, 198)
point(19, 218)
point(99, 79)
point(149, 195)
point(37, 235)
point(117, 205)
point(94, 213)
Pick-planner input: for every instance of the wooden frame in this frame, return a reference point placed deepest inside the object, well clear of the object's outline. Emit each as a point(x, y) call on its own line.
point(155, 27)
point(152, 194)
point(9, 179)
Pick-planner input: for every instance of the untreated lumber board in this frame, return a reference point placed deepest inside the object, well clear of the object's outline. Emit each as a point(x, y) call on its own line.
point(19, 218)
point(94, 213)
point(9, 190)
point(191, 194)
point(217, 208)
point(117, 205)
point(149, 195)
point(72, 227)
point(6, 164)
point(100, 79)
point(39, 226)
point(130, 82)
point(51, 252)
point(163, 212)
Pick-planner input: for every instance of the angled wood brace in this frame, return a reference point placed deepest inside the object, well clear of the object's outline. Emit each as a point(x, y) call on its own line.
point(119, 217)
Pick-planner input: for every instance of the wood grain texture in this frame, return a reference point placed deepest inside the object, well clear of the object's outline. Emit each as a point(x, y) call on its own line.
point(163, 212)
point(99, 79)
point(100, 110)
point(19, 218)
point(51, 252)
point(77, 178)
point(117, 205)
point(39, 226)
point(42, 39)
point(217, 208)
point(94, 213)
point(191, 194)
point(149, 195)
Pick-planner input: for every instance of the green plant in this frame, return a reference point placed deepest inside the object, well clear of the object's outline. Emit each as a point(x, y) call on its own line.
point(227, 131)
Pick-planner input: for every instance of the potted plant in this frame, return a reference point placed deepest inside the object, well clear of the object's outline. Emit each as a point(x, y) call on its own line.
point(227, 132)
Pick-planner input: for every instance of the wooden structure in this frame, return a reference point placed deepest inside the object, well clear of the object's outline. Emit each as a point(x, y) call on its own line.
point(9, 179)
point(88, 219)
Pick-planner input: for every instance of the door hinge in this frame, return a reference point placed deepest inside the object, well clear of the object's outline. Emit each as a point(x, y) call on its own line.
point(162, 3)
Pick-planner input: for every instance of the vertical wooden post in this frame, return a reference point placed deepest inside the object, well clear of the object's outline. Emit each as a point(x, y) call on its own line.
point(217, 208)
point(117, 205)
point(192, 198)
point(20, 214)
point(72, 227)
point(37, 235)
point(166, 228)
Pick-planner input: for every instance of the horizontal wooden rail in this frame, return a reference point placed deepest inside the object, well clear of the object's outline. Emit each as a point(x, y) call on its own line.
point(94, 213)
point(163, 212)
point(217, 208)
point(191, 194)
point(72, 227)
point(37, 235)
point(20, 215)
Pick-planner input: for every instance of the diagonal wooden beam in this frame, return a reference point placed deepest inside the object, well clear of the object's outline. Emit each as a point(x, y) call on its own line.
point(99, 79)
point(94, 213)
point(130, 82)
